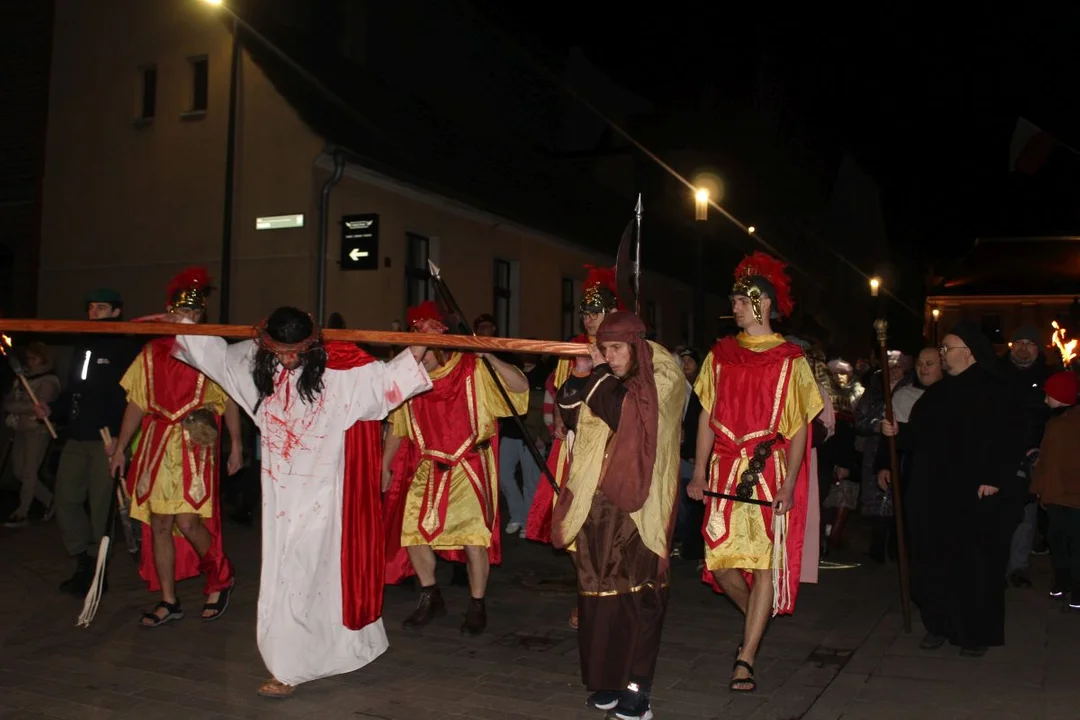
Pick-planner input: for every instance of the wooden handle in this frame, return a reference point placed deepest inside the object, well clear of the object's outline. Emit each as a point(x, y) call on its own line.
point(373, 337)
point(33, 399)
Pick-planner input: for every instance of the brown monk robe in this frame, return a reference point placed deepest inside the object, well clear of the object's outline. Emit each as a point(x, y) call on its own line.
point(616, 511)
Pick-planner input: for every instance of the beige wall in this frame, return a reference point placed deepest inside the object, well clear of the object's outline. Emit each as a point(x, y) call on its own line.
point(128, 204)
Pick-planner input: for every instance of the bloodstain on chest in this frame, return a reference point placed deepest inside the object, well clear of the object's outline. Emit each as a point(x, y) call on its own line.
point(285, 430)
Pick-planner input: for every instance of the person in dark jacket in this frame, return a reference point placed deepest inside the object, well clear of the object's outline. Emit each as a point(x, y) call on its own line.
point(965, 498)
point(1025, 371)
point(92, 400)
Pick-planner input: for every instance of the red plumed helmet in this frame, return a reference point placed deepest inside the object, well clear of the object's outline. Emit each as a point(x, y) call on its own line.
point(599, 291)
point(189, 288)
point(426, 310)
point(774, 273)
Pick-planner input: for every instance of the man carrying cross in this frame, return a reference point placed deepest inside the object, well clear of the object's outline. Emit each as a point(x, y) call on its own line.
point(320, 593)
point(758, 396)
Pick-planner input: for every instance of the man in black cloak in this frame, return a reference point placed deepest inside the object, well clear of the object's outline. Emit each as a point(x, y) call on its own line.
point(965, 498)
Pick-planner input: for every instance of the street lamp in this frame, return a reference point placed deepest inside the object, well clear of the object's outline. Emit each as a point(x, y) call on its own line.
point(701, 204)
point(875, 285)
point(230, 163)
point(751, 229)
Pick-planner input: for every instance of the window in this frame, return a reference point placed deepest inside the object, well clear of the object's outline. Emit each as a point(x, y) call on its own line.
point(200, 83)
point(569, 312)
point(503, 295)
point(147, 92)
point(417, 275)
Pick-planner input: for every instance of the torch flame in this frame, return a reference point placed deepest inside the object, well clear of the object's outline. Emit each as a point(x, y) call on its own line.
point(1067, 349)
point(5, 343)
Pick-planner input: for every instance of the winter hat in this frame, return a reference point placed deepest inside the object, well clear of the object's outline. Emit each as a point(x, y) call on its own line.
point(1026, 332)
point(1063, 387)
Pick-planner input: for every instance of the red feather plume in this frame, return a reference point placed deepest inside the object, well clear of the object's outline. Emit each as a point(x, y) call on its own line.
point(775, 272)
point(192, 277)
point(603, 277)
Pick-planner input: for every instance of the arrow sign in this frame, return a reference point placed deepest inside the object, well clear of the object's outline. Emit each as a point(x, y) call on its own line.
point(360, 242)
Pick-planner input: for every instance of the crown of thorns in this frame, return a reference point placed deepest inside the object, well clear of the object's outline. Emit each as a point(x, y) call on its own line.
point(264, 341)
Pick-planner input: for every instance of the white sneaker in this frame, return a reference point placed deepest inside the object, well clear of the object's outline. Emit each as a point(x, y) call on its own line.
point(513, 528)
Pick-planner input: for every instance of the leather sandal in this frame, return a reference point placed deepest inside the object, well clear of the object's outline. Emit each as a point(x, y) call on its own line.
point(736, 682)
point(275, 689)
point(152, 619)
point(219, 607)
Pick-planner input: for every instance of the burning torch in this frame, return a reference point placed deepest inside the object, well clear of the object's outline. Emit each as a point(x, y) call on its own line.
point(17, 368)
point(1067, 348)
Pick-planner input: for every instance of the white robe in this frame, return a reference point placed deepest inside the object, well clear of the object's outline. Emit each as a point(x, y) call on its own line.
point(300, 632)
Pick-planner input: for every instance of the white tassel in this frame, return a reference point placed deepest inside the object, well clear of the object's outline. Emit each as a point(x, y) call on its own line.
point(93, 596)
point(780, 572)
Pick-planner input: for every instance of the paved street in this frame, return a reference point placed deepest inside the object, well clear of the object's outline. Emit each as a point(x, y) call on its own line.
point(842, 656)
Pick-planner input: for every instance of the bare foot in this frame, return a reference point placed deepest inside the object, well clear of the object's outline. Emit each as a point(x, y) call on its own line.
point(274, 688)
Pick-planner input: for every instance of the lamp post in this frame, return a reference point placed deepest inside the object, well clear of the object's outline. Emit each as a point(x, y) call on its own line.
point(224, 286)
point(701, 214)
point(936, 315)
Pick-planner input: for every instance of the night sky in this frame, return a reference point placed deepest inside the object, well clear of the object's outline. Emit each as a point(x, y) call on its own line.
point(926, 99)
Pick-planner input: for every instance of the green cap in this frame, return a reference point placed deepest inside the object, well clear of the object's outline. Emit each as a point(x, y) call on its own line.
point(104, 295)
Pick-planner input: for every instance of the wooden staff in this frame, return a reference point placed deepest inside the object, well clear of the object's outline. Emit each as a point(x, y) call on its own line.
point(17, 368)
point(882, 328)
point(374, 337)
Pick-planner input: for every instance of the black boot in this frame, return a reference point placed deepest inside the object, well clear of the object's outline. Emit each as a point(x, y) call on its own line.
point(430, 606)
point(79, 583)
point(475, 617)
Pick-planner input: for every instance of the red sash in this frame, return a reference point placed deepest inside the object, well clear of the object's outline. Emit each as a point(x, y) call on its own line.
point(362, 552)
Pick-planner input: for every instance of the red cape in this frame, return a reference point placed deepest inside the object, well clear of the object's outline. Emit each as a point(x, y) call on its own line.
point(362, 550)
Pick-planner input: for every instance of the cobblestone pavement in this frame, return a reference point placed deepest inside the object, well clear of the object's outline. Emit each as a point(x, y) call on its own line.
point(842, 655)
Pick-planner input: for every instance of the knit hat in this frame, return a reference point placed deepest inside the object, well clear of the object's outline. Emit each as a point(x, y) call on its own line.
point(104, 295)
point(1063, 387)
point(1026, 332)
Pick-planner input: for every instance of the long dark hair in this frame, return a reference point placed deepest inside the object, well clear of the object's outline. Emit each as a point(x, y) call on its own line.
point(290, 325)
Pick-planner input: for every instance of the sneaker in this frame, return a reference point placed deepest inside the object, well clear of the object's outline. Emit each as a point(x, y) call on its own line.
point(603, 699)
point(1041, 548)
point(1019, 579)
point(1073, 602)
point(931, 641)
point(633, 705)
point(1056, 593)
point(16, 521)
point(676, 552)
point(513, 528)
point(974, 651)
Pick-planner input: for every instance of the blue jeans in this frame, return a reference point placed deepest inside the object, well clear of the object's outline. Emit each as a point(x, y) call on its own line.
point(512, 451)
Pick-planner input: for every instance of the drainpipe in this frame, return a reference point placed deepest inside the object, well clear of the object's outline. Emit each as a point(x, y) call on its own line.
point(324, 229)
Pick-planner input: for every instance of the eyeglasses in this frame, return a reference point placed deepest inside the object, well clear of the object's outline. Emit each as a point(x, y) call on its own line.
point(946, 348)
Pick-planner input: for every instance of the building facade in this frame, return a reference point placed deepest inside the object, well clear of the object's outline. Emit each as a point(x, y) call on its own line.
point(134, 190)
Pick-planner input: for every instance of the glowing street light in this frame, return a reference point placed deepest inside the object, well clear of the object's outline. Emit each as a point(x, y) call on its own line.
point(936, 313)
point(212, 2)
point(751, 229)
point(701, 204)
point(875, 285)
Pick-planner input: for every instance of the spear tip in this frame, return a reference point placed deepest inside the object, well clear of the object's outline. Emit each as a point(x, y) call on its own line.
point(433, 269)
point(637, 207)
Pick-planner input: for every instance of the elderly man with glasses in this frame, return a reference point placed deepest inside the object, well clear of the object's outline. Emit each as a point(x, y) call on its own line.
point(964, 500)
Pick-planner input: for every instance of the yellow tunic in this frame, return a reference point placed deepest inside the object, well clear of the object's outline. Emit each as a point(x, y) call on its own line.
point(167, 494)
point(748, 545)
point(465, 521)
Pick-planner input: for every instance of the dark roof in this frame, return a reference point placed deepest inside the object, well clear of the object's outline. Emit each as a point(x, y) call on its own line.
point(391, 131)
point(1015, 266)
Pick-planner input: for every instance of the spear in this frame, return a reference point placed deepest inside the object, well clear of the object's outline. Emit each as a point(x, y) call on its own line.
point(452, 313)
point(372, 337)
point(637, 257)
